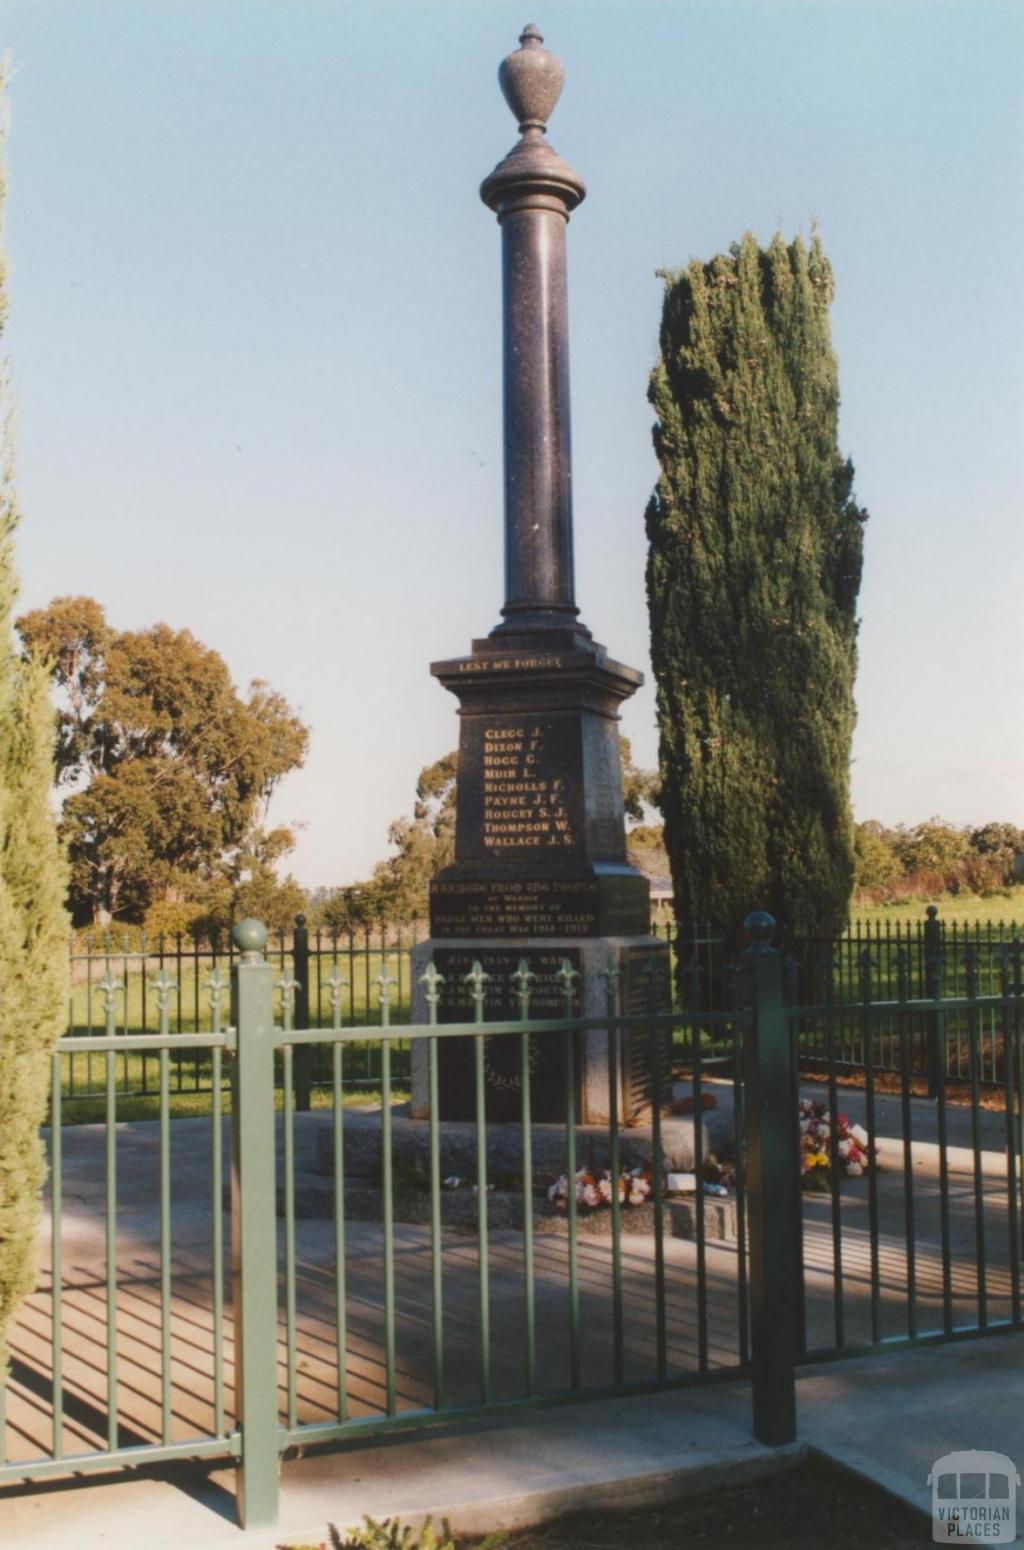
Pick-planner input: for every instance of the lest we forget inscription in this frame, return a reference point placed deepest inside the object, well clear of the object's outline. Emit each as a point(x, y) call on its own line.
point(502, 1060)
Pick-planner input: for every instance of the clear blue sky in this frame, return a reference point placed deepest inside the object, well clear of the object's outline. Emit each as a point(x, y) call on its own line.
point(255, 342)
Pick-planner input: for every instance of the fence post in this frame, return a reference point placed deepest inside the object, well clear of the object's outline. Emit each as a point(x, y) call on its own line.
point(302, 1059)
point(254, 1226)
point(773, 1184)
point(932, 991)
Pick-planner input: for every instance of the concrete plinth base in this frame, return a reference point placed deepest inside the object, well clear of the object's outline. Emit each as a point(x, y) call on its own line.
point(314, 1198)
point(410, 1143)
point(644, 985)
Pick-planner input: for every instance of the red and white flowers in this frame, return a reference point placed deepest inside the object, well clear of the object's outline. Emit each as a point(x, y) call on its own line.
point(594, 1190)
point(854, 1146)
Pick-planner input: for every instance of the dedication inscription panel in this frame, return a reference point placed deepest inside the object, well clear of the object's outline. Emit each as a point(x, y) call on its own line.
point(518, 907)
point(502, 1054)
point(646, 987)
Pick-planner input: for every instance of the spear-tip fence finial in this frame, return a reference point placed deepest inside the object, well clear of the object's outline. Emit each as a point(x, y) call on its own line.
point(431, 980)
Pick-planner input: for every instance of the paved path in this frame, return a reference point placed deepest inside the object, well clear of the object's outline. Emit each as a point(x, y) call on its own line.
point(827, 1392)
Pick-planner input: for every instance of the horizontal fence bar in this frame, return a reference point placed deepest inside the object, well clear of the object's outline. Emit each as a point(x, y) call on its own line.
point(313, 1432)
point(831, 1010)
point(148, 1043)
point(813, 1358)
point(123, 1458)
point(652, 1020)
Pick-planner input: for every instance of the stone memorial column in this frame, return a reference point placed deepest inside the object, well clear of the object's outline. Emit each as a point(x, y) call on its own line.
point(540, 870)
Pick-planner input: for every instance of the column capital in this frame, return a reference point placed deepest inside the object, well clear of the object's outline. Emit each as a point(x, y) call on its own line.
point(532, 175)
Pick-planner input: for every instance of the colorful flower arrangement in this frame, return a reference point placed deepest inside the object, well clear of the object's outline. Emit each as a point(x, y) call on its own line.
point(854, 1147)
point(594, 1190)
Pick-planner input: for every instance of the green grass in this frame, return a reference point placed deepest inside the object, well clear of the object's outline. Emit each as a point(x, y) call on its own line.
point(132, 1106)
point(190, 1010)
point(1001, 909)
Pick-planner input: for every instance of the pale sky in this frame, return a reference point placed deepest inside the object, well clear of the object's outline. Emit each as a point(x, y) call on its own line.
point(255, 339)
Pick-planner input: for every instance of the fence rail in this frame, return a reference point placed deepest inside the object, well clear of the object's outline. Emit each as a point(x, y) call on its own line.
point(914, 960)
point(150, 1338)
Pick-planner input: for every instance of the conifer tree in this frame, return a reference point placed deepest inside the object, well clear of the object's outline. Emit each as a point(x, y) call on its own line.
point(753, 574)
point(33, 925)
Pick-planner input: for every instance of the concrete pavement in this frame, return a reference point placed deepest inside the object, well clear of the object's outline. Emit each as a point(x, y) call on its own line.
point(888, 1417)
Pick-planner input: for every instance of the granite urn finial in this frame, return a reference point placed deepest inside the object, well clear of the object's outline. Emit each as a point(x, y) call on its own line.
point(531, 80)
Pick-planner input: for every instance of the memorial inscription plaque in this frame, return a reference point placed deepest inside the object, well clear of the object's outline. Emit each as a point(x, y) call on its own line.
point(646, 987)
point(502, 1053)
point(524, 793)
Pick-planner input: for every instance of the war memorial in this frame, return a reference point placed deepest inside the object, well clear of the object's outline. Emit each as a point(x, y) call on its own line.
point(541, 876)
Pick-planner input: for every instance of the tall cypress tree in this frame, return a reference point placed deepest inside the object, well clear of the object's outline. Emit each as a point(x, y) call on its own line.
point(753, 574)
point(33, 925)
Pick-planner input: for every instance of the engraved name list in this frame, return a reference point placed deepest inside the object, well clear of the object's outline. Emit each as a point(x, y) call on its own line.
point(524, 805)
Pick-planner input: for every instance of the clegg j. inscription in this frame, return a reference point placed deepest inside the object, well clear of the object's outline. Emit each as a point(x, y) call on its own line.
point(520, 789)
point(524, 802)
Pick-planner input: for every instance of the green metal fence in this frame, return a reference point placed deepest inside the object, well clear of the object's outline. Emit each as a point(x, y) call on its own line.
point(924, 956)
point(935, 1236)
point(151, 1339)
point(120, 971)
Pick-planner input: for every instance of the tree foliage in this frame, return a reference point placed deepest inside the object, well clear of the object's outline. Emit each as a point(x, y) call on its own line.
point(167, 769)
point(926, 860)
point(33, 926)
point(753, 575)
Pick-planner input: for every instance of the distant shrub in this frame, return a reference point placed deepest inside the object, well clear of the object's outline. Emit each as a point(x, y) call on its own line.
point(928, 860)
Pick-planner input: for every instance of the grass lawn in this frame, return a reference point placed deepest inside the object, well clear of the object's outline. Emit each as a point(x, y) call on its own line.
point(1001, 909)
point(135, 1001)
point(137, 1078)
point(92, 1110)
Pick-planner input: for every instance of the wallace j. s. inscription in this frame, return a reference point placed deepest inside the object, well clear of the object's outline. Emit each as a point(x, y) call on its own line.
point(524, 801)
point(520, 794)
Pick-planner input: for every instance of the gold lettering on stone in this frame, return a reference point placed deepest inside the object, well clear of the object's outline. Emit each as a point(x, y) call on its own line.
point(546, 907)
point(522, 809)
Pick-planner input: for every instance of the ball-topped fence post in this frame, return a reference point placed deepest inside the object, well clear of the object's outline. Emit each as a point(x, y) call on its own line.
point(773, 1184)
point(254, 1225)
point(303, 1058)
